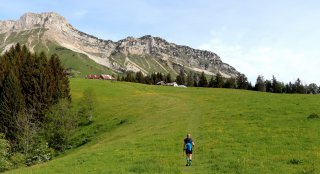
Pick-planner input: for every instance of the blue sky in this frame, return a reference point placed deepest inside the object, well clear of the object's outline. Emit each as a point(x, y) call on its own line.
point(267, 37)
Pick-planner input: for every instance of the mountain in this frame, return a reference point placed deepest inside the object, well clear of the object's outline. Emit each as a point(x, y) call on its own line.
point(85, 53)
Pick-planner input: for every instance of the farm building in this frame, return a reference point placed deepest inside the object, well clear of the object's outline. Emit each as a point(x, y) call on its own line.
point(93, 76)
point(101, 76)
point(106, 77)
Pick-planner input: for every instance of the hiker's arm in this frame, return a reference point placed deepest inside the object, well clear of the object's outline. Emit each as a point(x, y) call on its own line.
point(193, 144)
point(184, 145)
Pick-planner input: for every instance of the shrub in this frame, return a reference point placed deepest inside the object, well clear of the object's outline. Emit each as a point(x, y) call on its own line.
point(59, 126)
point(313, 116)
point(18, 160)
point(41, 153)
point(4, 154)
point(295, 161)
point(87, 107)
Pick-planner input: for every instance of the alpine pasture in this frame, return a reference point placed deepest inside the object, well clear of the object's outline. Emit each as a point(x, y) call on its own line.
point(140, 129)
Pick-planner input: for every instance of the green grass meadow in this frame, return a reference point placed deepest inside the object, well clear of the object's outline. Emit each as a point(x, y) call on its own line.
point(140, 129)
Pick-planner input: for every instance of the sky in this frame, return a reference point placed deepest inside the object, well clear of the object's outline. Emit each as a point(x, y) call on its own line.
point(257, 37)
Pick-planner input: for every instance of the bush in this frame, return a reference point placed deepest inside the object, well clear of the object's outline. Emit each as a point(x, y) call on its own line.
point(4, 154)
point(313, 116)
point(295, 161)
point(18, 160)
point(41, 153)
point(87, 107)
point(60, 124)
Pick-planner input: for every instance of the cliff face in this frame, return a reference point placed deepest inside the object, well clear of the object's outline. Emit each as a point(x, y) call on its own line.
point(146, 54)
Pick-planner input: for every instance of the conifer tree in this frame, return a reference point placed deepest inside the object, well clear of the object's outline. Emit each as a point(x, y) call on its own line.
point(190, 80)
point(195, 79)
point(168, 78)
point(140, 77)
point(203, 80)
point(218, 82)
point(181, 79)
point(242, 81)
point(230, 83)
point(260, 85)
point(154, 78)
point(298, 87)
point(11, 104)
point(148, 80)
point(60, 82)
point(211, 82)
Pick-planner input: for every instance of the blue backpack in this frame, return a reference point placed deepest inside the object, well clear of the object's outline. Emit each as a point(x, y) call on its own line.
point(188, 146)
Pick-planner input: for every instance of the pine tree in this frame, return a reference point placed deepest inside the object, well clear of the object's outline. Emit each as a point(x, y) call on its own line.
point(289, 88)
point(218, 82)
point(277, 87)
point(148, 80)
point(181, 79)
point(230, 83)
point(159, 77)
point(42, 94)
point(190, 81)
point(260, 85)
point(168, 78)
point(140, 77)
point(154, 78)
point(4, 66)
point(60, 81)
point(242, 81)
point(211, 82)
point(118, 78)
point(203, 80)
point(195, 80)
point(29, 82)
point(11, 104)
point(299, 88)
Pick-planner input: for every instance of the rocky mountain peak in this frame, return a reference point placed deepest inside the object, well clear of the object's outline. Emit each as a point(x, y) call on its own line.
point(28, 21)
point(147, 53)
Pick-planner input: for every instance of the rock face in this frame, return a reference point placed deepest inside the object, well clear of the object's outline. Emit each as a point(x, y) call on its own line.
point(146, 54)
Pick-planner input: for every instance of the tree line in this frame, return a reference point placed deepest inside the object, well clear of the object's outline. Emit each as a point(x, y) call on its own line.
point(36, 117)
point(193, 79)
point(276, 86)
point(190, 79)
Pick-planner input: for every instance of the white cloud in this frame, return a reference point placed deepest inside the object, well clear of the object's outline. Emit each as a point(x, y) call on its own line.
point(267, 60)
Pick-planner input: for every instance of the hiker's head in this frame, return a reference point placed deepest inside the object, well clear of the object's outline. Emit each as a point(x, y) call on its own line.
point(188, 135)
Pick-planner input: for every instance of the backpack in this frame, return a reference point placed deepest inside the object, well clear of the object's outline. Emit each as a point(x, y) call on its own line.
point(188, 146)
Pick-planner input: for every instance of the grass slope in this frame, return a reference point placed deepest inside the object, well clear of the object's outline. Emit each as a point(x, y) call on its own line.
point(79, 63)
point(140, 128)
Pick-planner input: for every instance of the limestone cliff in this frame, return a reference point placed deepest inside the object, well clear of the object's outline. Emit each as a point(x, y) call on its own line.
point(146, 54)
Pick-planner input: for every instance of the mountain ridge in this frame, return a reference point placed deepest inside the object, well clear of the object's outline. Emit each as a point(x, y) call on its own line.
point(145, 54)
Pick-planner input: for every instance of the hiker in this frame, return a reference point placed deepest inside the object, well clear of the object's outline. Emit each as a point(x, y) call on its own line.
point(188, 145)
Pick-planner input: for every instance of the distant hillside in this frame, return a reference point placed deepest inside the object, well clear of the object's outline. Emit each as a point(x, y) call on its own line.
point(82, 52)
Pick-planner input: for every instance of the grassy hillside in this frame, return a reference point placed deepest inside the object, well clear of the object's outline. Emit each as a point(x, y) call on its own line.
point(80, 64)
point(140, 129)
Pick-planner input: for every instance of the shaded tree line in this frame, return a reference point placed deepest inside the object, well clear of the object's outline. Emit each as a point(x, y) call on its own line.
point(29, 83)
point(275, 86)
point(190, 79)
point(151, 79)
point(36, 119)
point(193, 79)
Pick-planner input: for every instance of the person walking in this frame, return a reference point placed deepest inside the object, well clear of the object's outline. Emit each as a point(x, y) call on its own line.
point(188, 145)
